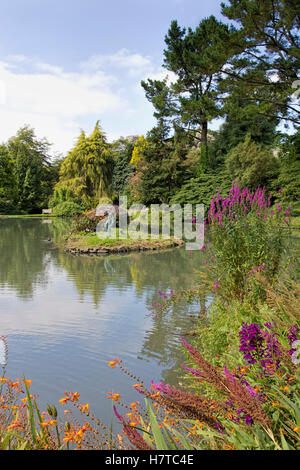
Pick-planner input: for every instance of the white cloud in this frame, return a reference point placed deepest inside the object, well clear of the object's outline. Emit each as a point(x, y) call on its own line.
point(57, 103)
point(135, 64)
point(52, 101)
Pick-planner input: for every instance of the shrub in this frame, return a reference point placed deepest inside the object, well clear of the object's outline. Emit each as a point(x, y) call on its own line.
point(251, 164)
point(7, 207)
point(86, 222)
point(67, 209)
point(201, 190)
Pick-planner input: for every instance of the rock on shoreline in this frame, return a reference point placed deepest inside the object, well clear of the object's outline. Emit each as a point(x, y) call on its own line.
point(121, 248)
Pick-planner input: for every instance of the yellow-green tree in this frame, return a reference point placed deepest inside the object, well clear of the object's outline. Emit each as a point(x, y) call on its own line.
point(137, 153)
point(88, 168)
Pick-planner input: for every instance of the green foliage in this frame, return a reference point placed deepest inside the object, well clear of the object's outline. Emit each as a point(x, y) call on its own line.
point(30, 159)
point(196, 57)
point(6, 174)
point(62, 195)
point(247, 237)
point(67, 209)
point(286, 186)
point(270, 47)
point(137, 153)
point(201, 190)
point(122, 169)
point(86, 222)
point(159, 174)
point(27, 176)
point(252, 165)
point(87, 170)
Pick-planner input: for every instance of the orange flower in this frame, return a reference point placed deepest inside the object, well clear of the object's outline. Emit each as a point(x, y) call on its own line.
point(296, 429)
point(134, 405)
point(53, 422)
point(112, 364)
point(64, 400)
point(15, 384)
point(113, 396)
point(74, 396)
point(137, 385)
point(14, 425)
point(85, 407)
point(69, 436)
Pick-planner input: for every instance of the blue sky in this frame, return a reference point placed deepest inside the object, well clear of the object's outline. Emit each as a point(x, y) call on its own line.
point(64, 64)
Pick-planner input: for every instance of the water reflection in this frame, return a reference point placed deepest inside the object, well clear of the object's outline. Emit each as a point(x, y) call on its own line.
point(66, 313)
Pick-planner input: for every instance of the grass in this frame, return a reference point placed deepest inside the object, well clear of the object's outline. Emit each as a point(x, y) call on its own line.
point(83, 240)
point(27, 216)
point(295, 222)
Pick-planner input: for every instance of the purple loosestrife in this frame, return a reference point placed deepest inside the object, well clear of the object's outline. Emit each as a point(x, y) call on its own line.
point(238, 203)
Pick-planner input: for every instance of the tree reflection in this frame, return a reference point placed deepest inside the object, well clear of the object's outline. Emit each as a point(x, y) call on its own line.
point(27, 255)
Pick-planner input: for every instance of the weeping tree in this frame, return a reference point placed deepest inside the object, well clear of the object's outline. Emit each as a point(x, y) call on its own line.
point(87, 170)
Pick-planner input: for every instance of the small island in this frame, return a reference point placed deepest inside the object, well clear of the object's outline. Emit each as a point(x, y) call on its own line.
point(90, 244)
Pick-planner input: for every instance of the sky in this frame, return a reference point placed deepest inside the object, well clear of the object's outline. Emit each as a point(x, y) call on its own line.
point(64, 64)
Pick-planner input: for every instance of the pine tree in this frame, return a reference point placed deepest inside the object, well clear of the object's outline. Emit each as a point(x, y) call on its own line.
point(196, 58)
point(265, 70)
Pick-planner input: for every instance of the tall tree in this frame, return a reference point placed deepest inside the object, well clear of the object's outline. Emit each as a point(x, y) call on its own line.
point(159, 172)
point(122, 169)
point(6, 174)
point(30, 157)
point(265, 71)
point(196, 58)
point(87, 170)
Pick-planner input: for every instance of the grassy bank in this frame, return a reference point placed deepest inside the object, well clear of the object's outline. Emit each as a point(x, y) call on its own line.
point(27, 216)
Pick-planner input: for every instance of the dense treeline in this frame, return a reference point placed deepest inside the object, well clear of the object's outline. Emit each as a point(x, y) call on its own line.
point(245, 74)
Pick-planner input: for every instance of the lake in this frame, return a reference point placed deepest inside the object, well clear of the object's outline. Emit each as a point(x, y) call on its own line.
point(65, 317)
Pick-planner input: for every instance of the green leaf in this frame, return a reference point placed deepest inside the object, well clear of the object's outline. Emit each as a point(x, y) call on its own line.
point(31, 413)
point(160, 442)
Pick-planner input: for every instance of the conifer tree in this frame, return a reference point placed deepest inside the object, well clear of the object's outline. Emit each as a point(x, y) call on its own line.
point(196, 58)
point(88, 168)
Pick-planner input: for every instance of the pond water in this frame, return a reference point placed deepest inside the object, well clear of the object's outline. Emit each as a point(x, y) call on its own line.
point(65, 317)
